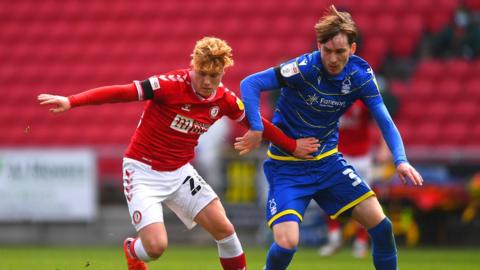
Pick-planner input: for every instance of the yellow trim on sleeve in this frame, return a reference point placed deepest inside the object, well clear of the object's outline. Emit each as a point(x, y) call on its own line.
point(284, 213)
point(290, 158)
point(352, 204)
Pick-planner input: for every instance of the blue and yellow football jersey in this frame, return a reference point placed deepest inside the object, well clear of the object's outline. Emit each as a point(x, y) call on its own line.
point(310, 105)
point(312, 101)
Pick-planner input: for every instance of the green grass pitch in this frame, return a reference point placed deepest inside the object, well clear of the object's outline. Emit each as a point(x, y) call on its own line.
point(203, 258)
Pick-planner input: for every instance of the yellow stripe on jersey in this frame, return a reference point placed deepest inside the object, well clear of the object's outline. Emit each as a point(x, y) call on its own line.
point(352, 204)
point(284, 213)
point(290, 158)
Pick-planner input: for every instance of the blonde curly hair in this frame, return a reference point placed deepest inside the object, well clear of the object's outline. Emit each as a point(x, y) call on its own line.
point(211, 55)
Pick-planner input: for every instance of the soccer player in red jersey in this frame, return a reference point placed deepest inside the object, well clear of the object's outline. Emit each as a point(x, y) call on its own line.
point(181, 106)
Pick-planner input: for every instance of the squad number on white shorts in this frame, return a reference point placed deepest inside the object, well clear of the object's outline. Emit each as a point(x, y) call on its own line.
point(194, 189)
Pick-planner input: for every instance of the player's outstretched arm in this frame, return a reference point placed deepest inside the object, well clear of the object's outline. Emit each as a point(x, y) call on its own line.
point(407, 172)
point(95, 96)
point(60, 103)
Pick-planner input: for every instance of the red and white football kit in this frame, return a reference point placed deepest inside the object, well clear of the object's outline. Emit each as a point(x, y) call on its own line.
point(156, 166)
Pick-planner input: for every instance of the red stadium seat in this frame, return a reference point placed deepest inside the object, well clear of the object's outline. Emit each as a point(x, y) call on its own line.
point(406, 130)
point(400, 89)
point(458, 68)
point(412, 111)
point(431, 69)
point(386, 25)
point(448, 89)
point(472, 4)
point(420, 7)
point(473, 135)
point(466, 111)
point(397, 8)
point(437, 20)
point(374, 50)
point(426, 133)
point(437, 110)
point(422, 89)
point(404, 46)
point(471, 89)
point(454, 133)
point(367, 7)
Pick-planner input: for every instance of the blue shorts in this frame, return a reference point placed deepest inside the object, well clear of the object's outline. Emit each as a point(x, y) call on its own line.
point(331, 182)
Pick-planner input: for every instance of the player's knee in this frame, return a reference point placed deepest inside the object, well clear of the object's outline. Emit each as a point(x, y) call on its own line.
point(155, 248)
point(286, 241)
point(224, 230)
point(385, 226)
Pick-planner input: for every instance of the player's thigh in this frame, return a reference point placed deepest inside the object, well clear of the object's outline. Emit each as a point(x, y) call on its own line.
point(214, 220)
point(286, 234)
point(369, 212)
point(192, 197)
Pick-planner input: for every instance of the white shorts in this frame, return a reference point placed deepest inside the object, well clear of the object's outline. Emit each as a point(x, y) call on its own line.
point(183, 191)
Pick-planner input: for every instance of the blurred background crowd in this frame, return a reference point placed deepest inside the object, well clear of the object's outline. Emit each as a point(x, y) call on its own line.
point(61, 178)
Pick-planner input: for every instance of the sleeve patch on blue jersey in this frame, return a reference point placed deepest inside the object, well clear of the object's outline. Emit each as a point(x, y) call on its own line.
point(289, 70)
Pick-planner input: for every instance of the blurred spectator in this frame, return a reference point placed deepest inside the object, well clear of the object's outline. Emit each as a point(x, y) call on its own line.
point(460, 38)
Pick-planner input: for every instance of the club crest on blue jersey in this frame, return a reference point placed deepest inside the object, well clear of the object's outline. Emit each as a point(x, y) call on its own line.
point(346, 85)
point(272, 205)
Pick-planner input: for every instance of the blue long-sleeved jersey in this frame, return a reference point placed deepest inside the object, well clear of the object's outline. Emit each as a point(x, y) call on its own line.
point(312, 101)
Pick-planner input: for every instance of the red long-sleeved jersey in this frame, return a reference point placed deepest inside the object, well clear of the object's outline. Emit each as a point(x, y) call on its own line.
point(174, 117)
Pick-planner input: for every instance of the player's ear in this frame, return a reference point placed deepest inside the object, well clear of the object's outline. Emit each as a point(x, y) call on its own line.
point(353, 48)
point(319, 45)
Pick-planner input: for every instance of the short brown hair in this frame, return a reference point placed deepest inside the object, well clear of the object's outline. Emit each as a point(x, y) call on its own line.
point(334, 23)
point(211, 55)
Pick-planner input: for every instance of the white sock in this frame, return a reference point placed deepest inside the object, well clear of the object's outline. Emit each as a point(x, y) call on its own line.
point(229, 247)
point(335, 236)
point(140, 251)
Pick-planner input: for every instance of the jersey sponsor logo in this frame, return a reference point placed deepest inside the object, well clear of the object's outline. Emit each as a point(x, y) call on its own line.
point(214, 111)
point(154, 83)
point(324, 102)
point(289, 70)
point(188, 125)
point(329, 103)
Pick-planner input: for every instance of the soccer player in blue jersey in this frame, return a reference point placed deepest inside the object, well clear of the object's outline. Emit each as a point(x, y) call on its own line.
point(316, 89)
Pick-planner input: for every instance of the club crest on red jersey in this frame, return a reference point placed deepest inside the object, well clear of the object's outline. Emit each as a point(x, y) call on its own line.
point(214, 112)
point(137, 217)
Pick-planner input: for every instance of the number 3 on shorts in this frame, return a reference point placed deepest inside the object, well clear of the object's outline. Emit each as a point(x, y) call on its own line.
point(194, 189)
point(353, 176)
